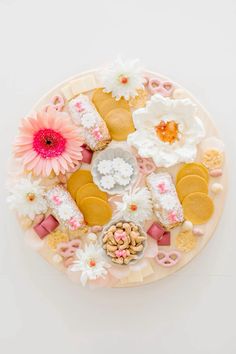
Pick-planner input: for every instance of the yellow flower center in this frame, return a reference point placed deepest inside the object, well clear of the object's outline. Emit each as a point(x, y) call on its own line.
point(167, 131)
point(124, 79)
point(30, 197)
point(92, 263)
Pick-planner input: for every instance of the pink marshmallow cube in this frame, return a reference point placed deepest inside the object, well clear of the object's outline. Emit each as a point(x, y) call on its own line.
point(46, 226)
point(87, 155)
point(156, 231)
point(164, 240)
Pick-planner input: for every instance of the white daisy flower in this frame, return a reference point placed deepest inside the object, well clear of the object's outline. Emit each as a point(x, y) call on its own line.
point(107, 182)
point(137, 206)
point(90, 263)
point(118, 163)
point(123, 79)
point(105, 167)
point(122, 181)
point(27, 197)
point(127, 170)
point(65, 211)
point(88, 120)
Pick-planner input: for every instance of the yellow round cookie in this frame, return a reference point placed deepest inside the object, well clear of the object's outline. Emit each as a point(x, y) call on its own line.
point(193, 169)
point(109, 104)
point(89, 190)
point(190, 184)
point(77, 180)
point(99, 96)
point(186, 241)
point(96, 211)
point(198, 208)
point(119, 123)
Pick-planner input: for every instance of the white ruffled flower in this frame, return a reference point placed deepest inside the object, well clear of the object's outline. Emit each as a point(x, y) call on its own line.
point(90, 263)
point(167, 131)
point(136, 206)
point(105, 167)
point(27, 197)
point(88, 120)
point(127, 170)
point(107, 182)
point(122, 181)
point(65, 211)
point(118, 163)
point(123, 79)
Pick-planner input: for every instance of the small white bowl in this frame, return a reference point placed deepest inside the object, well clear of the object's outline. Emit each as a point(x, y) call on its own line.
point(139, 254)
point(110, 154)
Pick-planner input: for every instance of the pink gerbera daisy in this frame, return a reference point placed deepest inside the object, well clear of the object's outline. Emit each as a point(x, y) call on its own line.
point(48, 142)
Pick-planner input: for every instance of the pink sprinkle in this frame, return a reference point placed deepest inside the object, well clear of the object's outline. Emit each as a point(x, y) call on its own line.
point(172, 217)
point(56, 199)
point(74, 223)
point(120, 253)
point(79, 107)
point(120, 236)
point(97, 134)
point(162, 187)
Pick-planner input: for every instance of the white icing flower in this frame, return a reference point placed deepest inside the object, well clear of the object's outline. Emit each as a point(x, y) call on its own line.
point(90, 263)
point(65, 211)
point(127, 170)
point(105, 167)
point(107, 182)
point(122, 181)
point(167, 131)
point(118, 163)
point(136, 206)
point(88, 120)
point(123, 79)
point(27, 197)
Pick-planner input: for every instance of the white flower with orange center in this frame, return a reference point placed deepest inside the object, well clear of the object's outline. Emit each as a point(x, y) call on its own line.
point(90, 262)
point(167, 131)
point(123, 79)
point(27, 197)
point(136, 206)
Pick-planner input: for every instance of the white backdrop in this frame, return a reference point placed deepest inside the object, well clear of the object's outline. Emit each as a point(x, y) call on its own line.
point(44, 42)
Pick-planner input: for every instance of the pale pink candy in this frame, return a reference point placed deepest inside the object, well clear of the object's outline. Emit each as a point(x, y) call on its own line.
point(74, 223)
point(56, 102)
point(120, 235)
point(168, 259)
point(120, 253)
point(164, 88)
point(146, 166)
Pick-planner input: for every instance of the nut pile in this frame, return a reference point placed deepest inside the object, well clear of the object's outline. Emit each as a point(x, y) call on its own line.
point(123, 242)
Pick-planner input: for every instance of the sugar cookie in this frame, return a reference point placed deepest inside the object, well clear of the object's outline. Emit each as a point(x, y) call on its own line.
point(193, 169)
point(77, 180)
point(186, 241)
point(89, 190)
point(96, 211)
point(119, 123)
point(190, 184)
point(198, 208)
